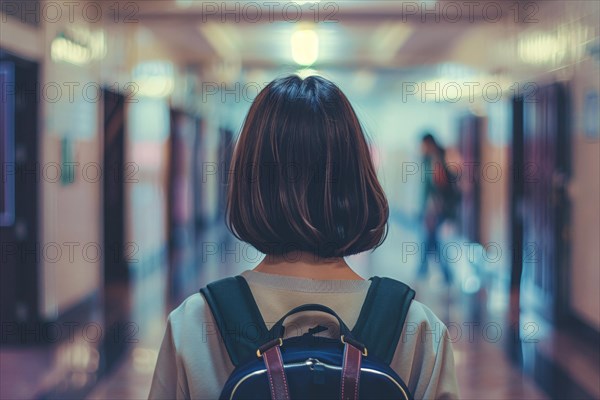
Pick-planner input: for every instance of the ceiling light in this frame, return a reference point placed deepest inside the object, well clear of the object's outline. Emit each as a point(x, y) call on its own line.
point(305, 47)
point(154, 78)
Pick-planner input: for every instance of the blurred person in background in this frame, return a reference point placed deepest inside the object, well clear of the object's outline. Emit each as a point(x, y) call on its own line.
point(440, 196)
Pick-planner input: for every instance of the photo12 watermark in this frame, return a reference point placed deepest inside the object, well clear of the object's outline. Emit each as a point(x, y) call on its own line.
point(52, 92)
point(68, 252)
point(253, 12)
point(90, 332)
point(70, 171)
point(68, 12)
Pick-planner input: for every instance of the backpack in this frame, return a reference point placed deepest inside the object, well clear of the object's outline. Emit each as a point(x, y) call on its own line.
point(354, 366)
point(446, 182)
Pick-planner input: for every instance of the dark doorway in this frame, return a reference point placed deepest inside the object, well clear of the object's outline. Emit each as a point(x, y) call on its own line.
point(540, 199)
point(199, 177)
point(116, 269)
point(516, 226)
point(19, 253)
point(225, 155)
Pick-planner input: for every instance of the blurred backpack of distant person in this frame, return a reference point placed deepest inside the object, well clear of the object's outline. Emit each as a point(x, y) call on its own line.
point(442, 193)
point(446, 180)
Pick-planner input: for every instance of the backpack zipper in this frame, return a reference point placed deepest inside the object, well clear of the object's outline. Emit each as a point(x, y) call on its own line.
point(311, 362)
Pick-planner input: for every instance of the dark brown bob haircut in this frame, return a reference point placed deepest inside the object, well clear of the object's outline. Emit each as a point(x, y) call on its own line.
point(302, 177)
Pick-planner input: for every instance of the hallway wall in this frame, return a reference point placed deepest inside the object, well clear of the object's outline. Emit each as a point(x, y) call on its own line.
point(585, 197)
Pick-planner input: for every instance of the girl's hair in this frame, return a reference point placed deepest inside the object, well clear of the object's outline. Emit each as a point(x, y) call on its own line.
point(302, 177)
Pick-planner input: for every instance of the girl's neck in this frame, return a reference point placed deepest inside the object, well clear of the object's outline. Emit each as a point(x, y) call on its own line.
point(307, 265)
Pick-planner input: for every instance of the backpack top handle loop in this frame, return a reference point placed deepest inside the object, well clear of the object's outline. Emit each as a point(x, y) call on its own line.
point(353, 342)
point(278, 329)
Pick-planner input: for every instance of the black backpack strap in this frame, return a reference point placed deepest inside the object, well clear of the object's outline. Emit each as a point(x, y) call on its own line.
point(382, 317)
point(237, 316)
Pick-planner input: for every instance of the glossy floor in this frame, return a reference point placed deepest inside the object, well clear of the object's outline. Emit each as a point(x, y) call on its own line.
point(493, 359)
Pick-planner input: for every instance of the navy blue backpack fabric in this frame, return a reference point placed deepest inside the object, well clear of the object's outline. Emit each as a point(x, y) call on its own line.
point(312, 364)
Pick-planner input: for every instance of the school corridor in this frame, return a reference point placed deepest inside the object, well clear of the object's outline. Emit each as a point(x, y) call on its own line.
point(118, 122)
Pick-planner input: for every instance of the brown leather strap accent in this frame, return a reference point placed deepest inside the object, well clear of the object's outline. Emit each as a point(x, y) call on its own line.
point(351, 372)
point(276, 374)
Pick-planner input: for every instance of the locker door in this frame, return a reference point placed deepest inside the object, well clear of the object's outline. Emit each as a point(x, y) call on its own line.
point(116, 269)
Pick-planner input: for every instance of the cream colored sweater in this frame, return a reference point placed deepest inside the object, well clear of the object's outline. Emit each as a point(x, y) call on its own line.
point(193, 362)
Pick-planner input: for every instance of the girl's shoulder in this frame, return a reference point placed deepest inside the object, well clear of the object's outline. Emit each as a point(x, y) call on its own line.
point(192, 315)
point(420, 314)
